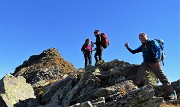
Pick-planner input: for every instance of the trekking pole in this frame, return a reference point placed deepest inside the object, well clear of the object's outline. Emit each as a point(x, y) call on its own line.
point(83, 56)
point(163, 62)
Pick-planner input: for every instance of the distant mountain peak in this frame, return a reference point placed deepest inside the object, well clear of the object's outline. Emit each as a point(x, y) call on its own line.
point(49, 65)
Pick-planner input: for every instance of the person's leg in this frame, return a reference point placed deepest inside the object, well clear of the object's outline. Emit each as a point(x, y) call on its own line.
point(140, 76)
point(85, 57)
point(95, 56)
point(162, 78)
point(100, 54)
point(89, 58)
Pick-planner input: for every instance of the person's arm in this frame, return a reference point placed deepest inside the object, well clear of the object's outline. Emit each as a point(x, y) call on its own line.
point(83, 48)
point(157, 49)
point(94, 42)
point(97, 40)
point(139, 49)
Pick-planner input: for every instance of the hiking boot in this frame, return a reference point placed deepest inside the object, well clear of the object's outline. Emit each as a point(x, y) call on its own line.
point(172, 96)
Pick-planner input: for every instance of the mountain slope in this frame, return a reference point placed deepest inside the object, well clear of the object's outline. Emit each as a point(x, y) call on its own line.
point(46, 67)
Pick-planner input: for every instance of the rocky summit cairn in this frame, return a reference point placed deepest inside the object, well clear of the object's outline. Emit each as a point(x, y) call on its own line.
point(42, 69)
point(15, 92)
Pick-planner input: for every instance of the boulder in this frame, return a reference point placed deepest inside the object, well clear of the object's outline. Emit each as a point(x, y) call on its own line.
point(136, 98)
point(161, 92)
point(15, 92)
point(86, 84)
point(56, 92)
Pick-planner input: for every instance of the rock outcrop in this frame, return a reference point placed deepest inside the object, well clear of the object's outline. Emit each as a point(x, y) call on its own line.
point(42, 69)
point(56, 83)
point(15, 92)
point(105, 85)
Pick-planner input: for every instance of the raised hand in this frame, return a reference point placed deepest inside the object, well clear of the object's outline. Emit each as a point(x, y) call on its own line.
point(126, 44)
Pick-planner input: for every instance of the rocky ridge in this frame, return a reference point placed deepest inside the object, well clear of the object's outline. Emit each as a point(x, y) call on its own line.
point(107, 84)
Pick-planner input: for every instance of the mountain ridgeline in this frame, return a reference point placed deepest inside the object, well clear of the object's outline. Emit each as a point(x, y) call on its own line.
point(48, 80)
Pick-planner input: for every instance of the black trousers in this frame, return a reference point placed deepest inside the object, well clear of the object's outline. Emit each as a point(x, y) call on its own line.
point(98, 54)
point(88, 59)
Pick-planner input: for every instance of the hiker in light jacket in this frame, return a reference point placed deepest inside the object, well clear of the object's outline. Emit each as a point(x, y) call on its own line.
point(151, 60)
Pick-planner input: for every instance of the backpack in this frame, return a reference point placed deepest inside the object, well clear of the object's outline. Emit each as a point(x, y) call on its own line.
point(104, 40)
point(161, 44)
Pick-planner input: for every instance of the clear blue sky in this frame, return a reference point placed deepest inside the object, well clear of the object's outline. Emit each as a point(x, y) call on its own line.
point(27, 27)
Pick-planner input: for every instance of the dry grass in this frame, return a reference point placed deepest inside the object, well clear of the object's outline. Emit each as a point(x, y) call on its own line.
point(169, 105)
point(122, 91)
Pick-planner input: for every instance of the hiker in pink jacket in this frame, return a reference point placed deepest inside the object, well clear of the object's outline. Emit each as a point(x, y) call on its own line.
point(87, 51)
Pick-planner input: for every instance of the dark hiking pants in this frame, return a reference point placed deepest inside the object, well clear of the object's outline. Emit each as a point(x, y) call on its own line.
point(158, 73)
point(98, 55)
point(88, 59)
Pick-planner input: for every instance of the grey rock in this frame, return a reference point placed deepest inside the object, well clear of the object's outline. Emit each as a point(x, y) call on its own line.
point(85, 104)
point(94, 103)
point(86, 83)
point(15, 92)
point(154, 102)
point(62, 87)
point(137, 96)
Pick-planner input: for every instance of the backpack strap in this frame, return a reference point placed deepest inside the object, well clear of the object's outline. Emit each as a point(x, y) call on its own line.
point(153, 46)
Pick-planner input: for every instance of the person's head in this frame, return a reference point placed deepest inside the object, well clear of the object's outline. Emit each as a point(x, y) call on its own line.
point(143, 37)
point(87, 40)
point(96, 32)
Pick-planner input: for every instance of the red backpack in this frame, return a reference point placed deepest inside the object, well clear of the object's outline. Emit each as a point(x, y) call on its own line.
point(104, 40)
